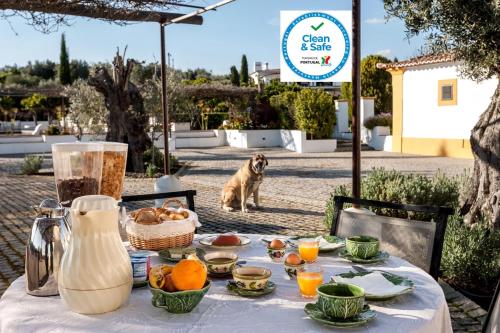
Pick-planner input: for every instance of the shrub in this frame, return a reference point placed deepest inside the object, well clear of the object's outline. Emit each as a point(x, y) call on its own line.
point(471, 255)
point(32, 164)
point(315, 113)
point(53, 130)
point(284, 103)
point(151, 170)
point(158, 159)
point(383, 119)
point(239, 121)
point(394, 186)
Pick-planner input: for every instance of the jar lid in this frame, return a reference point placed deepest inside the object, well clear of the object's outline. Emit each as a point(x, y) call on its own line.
point(113, 146)
point(77, 146)
point(94, 202)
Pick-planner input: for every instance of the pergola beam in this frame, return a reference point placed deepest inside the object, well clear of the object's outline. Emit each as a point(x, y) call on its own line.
point(96, 12)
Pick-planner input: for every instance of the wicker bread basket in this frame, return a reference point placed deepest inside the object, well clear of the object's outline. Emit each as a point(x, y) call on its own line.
point(163, 235)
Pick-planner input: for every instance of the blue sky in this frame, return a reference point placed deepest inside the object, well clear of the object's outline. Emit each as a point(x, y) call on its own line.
point(248, 27)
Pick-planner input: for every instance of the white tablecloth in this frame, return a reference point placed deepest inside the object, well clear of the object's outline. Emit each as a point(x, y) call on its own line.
point(282, 311)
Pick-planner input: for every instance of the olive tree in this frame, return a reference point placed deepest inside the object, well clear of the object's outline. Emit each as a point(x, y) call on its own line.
point(469, 29)
point(87, 110)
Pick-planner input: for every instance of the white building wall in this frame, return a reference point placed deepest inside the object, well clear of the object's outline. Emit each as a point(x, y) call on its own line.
point(424, 118)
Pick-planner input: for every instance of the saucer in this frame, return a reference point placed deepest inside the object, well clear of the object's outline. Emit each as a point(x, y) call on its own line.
point(235, 290)
point(312, 310)
point(380, 257)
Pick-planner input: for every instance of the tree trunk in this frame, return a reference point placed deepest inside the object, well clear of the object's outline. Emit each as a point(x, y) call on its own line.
point(484, 196)
point(127, 121)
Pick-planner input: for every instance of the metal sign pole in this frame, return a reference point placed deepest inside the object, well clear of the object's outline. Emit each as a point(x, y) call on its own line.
point(356, 93)
point(164, 102)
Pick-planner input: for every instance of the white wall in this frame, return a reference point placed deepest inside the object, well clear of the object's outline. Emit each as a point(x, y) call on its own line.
point(423, 118)
point(253, 138)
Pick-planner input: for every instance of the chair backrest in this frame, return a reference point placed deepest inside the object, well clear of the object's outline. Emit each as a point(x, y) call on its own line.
point(419, 242)
point(492, 320)
point(188, 194)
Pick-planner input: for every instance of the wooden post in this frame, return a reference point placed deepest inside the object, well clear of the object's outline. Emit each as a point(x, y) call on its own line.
point(356, 93)
point(164, 102)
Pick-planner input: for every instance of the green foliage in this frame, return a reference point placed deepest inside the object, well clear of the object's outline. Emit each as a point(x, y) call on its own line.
point(34, 101)
point(235, 76)
point(53, 130)
point(394, 186)
point(79, 69)
point(285, 104)
point(471, 255)
point(374, 83)
point(276, 88)
point(240, 121)
point(469, 28)
point(151, 170)
point(64, 67)
point(244, 70)
point(31, 164)
point(315, 113)
point(86, 109)
point(22, 80)
point(383, 119)
point(45, 70)
point(6, 103)
point(342, 190)
point(157, 155)
point(198, 81)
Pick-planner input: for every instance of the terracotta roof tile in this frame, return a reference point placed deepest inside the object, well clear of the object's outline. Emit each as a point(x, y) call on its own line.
point(419, 61)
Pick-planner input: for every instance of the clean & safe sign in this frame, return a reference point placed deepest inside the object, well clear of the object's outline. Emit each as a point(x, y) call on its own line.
point(316, 46)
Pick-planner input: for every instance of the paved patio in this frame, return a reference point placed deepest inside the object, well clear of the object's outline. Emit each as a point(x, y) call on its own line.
point(293, 194)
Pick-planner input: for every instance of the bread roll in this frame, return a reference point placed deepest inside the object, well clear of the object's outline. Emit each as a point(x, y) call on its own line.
point(226, 240)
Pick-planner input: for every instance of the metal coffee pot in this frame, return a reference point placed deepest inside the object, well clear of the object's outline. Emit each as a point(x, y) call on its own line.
point(49, 238)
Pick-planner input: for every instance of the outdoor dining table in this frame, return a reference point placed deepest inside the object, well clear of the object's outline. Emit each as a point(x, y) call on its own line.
point(424, 310)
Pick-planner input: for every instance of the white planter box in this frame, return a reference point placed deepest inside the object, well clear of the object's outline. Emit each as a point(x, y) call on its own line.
point(58, 138)
point(381, 130)
point(253, 138)
point(296, 140)
point(176, 127)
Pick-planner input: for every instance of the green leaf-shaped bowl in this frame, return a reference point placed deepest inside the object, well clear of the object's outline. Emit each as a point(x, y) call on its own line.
point(179, 301)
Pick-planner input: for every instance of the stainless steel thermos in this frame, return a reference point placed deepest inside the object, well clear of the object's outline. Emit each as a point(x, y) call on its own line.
point(49, 238)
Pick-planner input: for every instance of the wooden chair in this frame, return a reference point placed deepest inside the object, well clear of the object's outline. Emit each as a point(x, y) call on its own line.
point(419, 242)
point(492, 320)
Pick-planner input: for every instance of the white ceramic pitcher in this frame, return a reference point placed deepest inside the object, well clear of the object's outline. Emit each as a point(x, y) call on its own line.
point(96, 274)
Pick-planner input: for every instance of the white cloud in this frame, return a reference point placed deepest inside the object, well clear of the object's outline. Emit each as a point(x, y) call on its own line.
point(375, 20)
point(384, 52)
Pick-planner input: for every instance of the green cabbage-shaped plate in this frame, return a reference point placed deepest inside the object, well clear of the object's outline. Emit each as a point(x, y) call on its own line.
point(179, 301)
point(380, 257)
point(313, 311)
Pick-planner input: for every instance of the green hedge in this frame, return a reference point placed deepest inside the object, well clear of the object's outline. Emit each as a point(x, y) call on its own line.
point(394, 186)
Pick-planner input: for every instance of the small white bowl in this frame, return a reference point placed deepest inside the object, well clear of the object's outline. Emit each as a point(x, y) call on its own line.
point(223, 267)
point(251, 277)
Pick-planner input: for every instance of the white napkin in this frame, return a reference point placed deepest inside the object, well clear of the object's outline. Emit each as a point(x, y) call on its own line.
point(374, 284)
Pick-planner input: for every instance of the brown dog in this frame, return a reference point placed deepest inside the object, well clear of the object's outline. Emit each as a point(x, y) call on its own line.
point(244, 183)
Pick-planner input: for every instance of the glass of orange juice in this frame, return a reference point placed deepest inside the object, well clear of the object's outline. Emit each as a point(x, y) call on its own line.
point(309, 278)
point(308, 249)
